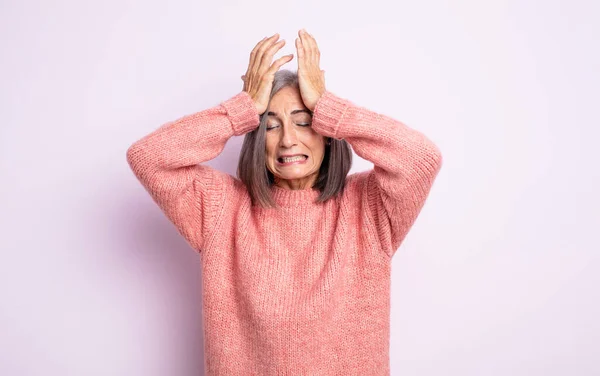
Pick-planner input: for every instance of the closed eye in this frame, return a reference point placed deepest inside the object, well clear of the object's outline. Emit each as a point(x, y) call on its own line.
point(302, 125)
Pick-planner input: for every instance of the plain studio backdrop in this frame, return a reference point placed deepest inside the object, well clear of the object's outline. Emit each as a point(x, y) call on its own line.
point(500, 273)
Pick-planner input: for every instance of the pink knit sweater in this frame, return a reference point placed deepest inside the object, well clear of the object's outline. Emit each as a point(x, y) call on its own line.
point(303, 289)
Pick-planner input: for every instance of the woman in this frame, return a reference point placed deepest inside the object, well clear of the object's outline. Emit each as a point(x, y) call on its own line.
point(296, 256)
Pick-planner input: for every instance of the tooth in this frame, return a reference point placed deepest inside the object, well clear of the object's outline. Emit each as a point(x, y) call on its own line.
point(293, 159)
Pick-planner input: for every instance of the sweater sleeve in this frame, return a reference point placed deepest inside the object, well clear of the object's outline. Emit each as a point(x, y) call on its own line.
point(405, 163)
point(168, 164)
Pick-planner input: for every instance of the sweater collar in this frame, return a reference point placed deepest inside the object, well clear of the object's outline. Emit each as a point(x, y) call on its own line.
point(294, 197)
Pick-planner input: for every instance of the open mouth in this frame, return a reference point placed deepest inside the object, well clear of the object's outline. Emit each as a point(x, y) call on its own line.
point(296, 159)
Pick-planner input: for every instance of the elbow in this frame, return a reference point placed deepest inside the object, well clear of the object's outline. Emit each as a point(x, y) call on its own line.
point(130, 154)
point(133, 156)
point(433, 160)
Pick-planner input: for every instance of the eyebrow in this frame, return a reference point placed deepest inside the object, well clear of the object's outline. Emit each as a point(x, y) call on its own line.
point(271, 113)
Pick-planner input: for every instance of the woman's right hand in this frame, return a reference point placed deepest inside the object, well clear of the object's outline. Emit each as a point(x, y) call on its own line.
point(258, 80)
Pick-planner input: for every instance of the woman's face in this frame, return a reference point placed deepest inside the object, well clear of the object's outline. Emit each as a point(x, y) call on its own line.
point(289, 132)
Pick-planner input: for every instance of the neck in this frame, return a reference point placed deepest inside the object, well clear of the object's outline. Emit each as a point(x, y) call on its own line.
point(296, 184)
point(294, 197)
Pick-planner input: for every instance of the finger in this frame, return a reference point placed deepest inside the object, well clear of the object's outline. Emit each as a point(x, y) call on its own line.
point(254, 53)
point(263, 48)
point(316, 51)
point(268, 56)
point(301, 55)
point(306, 43)
point(311, 46)
point(279, 62)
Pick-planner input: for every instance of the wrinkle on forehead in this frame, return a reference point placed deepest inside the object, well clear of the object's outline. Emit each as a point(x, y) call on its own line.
point(287, 102)
point(294, 112)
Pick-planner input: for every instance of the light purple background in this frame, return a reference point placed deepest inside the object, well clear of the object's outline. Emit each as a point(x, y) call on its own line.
point(500, 273)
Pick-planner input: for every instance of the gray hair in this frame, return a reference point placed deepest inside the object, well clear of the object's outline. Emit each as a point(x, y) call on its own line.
point(252, 168)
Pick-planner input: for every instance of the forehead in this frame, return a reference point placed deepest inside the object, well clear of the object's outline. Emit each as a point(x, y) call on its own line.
point(286, 100)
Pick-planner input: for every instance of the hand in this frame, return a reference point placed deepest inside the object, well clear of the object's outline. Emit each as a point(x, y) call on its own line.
point(258, 80)
point(311, 78)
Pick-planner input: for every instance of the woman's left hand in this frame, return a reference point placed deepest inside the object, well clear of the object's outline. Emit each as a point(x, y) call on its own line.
point(311, 78)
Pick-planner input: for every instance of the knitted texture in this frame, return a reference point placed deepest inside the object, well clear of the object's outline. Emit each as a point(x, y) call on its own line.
point(302, 289)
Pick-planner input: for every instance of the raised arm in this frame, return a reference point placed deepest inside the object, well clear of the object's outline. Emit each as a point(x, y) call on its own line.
point(167, 161)
point(406, 164)
point(168, 164)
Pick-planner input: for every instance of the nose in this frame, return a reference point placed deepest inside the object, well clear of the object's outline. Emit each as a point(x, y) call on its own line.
point(288, 136)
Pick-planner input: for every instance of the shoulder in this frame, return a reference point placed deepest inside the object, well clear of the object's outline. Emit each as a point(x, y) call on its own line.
point(356, 184)
point(358, 179)
point(213, 182)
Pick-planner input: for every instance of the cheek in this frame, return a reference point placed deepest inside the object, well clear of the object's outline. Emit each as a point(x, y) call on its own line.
point(312, 138)
point(269, 147)
point(320, 145)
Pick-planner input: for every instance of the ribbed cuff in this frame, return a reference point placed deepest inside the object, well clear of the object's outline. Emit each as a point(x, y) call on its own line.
point(242, 113)
point(328, 113)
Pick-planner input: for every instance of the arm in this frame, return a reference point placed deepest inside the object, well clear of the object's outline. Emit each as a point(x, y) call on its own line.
point(167, 163)
point(405, 164)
